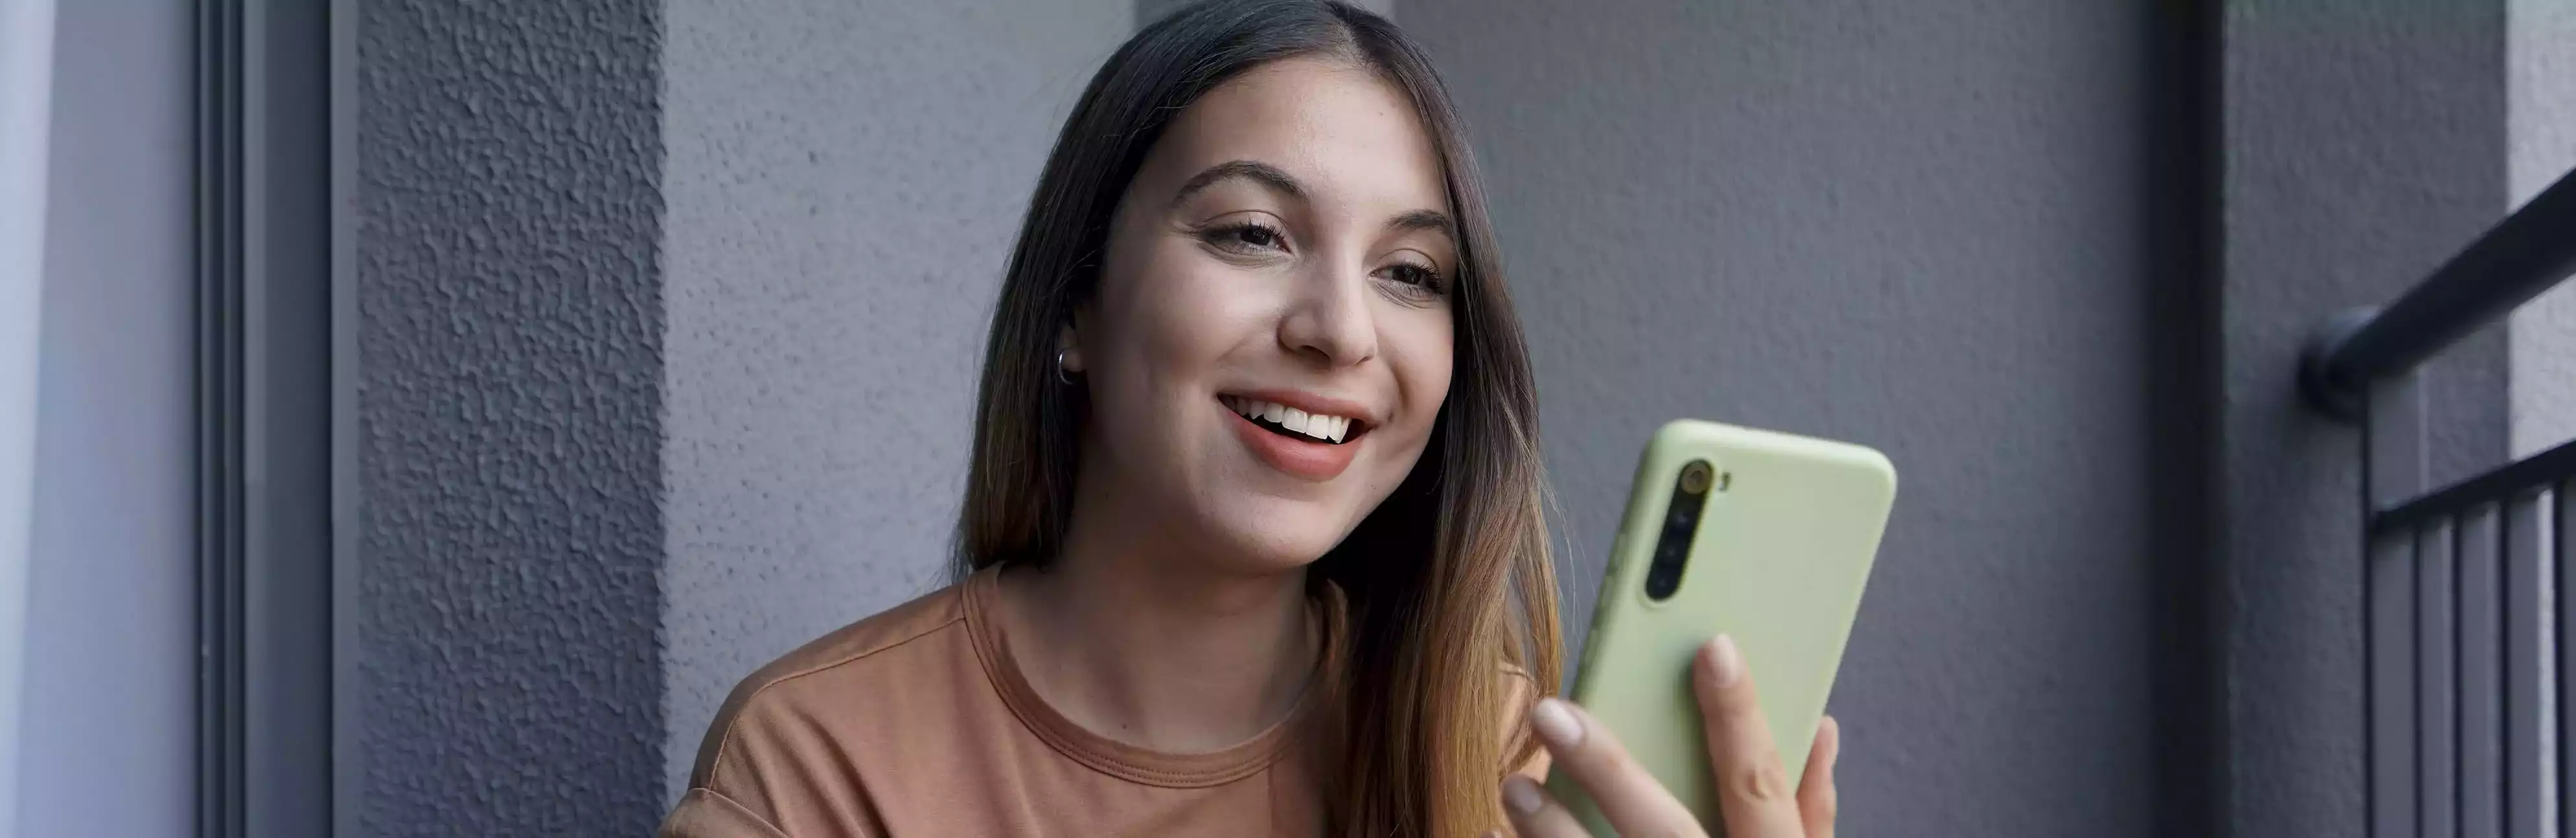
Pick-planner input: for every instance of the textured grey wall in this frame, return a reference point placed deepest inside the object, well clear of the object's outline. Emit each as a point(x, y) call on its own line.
point(2541, 47)
point(1917, 226)
point(107, 735)
point(509, 414)
point(844, 182)
point(2362, 143)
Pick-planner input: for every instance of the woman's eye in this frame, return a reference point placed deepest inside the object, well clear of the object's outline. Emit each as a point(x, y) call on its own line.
point(1247, 237)
point(1415, 275)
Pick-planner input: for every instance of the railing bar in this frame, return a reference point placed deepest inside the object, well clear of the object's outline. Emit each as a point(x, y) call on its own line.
point(2529, 473)
point(2481, 636)
point(2564, 573)
point(2524, 638)
point(2437, 680)
point(2390, 584)
point(2393, 470)
point(2514, 261)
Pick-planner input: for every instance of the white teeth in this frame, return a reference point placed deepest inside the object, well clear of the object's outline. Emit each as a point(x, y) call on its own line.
point(1315, 425)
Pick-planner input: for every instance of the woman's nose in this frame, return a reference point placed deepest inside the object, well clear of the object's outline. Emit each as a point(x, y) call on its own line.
point(1329, 318)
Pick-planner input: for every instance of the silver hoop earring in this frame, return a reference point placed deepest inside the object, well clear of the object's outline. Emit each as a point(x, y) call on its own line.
point(1060, 377)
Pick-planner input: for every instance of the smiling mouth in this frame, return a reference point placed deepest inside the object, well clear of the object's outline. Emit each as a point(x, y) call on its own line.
point(1296, 424)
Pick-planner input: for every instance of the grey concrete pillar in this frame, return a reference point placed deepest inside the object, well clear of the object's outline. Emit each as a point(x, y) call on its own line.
point(2360, 145)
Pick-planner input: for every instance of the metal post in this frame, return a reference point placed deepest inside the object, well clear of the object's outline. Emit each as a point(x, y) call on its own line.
point(2481, 679)
point(2437, 680)
point(2563, 575)
point(2523, 644)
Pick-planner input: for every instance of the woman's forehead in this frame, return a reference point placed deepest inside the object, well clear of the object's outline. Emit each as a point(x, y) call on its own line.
point(1349, 136)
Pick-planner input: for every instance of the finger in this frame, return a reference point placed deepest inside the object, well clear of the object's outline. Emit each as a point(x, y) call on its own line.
point(1816, 795)
point(1627, 795)
point(1752, 789)
point(1535, 813)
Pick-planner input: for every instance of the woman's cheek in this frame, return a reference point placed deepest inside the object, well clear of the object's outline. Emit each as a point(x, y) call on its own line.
point(1421, 356)
point(1185, 315)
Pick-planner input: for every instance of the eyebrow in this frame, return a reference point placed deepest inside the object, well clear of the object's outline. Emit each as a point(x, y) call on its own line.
point(1423, 219)
point(1278, 181)
point(1252, 170)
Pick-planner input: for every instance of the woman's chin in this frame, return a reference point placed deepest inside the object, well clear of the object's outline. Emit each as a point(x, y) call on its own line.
point(1280, 541)
point(1253, 530)
point(1269, 553)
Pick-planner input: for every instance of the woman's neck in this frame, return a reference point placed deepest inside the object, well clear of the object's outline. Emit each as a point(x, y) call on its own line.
point(1146, 644)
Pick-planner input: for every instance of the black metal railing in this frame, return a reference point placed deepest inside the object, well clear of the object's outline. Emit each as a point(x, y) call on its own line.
point(2469, 619)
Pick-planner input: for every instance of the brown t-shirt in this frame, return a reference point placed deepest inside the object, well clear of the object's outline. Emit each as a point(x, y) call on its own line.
point(917, 722)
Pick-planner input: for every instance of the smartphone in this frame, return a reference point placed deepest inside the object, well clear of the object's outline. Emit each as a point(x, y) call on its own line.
point(1763, 536)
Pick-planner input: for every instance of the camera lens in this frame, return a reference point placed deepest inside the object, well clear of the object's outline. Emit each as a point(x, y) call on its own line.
point(1695, 478)
point(1681, 525)
point(1661, 583)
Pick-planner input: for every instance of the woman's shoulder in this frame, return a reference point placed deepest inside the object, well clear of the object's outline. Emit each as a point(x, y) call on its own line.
point(799, 743)
point(836, 679)
point(865, 642)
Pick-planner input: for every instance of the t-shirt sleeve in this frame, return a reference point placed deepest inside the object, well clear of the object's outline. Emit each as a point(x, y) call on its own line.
point(765, 770)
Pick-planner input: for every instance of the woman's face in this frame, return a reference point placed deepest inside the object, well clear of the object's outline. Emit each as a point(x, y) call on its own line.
point(1271, 339)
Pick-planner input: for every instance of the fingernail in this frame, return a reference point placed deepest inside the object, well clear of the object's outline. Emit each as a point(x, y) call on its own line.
point(1521, 794)
point(1556, 724)
point(1724, 661)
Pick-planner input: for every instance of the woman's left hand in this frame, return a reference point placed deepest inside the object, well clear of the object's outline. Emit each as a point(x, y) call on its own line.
point(1753, 789)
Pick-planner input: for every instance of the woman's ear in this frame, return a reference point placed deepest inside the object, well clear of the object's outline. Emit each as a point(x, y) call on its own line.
point(1068, 349)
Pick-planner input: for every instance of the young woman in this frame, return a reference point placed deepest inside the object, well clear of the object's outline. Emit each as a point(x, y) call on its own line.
point(1253, 540)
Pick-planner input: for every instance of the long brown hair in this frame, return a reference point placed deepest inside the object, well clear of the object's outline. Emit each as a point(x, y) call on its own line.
point(1449, 580)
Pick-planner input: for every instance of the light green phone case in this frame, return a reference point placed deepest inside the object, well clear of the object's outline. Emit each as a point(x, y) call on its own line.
point(1782, 549)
